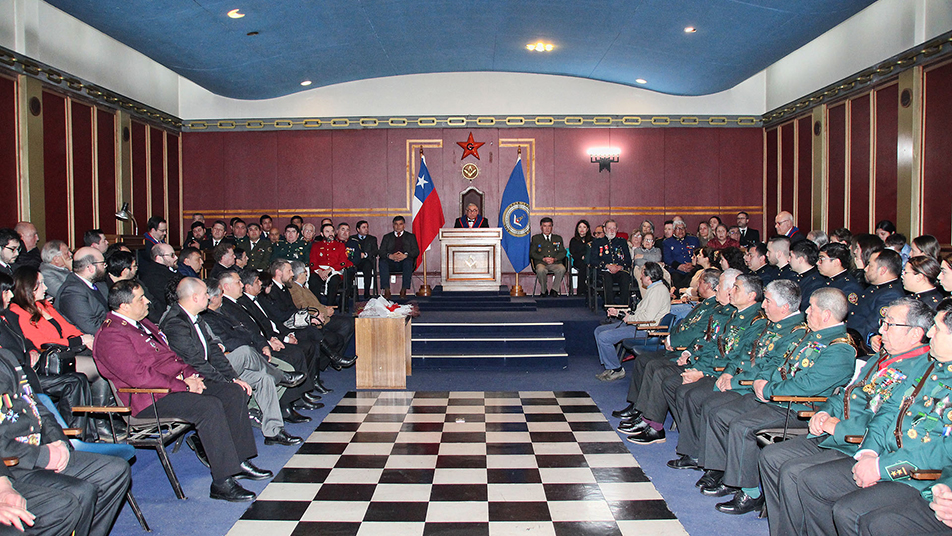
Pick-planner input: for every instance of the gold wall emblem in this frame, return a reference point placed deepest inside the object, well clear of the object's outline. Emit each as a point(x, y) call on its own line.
point(470, 171)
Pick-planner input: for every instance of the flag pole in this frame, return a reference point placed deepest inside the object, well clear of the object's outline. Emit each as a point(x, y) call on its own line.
point(425, 289)
point(517, 288)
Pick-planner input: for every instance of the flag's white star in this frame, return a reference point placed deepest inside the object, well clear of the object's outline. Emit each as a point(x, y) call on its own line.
point(421, 182)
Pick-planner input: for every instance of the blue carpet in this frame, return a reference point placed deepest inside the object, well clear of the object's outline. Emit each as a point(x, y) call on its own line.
point(200, 515)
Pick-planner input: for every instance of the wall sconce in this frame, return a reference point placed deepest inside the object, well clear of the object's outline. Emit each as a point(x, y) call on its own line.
point(604, 157)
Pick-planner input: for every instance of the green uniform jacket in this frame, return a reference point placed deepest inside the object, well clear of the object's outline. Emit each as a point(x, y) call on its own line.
point(294, 251)
point(739, 334)
point(823, 361)
point(259, 255)
point(718, 320)
point(767, 351)
point(924, 427)
point(694, 325)
point(856, 406)
point(539, 248)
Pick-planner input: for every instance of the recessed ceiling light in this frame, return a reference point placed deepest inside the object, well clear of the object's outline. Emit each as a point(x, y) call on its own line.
point(641, 81)
point(252, 34)
point(690, 29)
point(234, 13)
point(306, 83)
point(540, 47)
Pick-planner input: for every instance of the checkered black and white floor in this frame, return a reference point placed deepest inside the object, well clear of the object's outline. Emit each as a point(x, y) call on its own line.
point(461, 463)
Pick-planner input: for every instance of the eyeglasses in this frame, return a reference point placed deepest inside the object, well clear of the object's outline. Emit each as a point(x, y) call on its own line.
point(100, 262)
point(886, 325)
point(11, 248)
point(823, 259)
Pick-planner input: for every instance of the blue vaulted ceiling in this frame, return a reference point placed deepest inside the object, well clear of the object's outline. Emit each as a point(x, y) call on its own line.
point(335, 41)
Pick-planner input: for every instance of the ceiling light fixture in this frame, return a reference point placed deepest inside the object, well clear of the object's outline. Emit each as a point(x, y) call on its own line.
point(306, 83)
point(540, 47)
point(690, 29)
point(234, 13)
point(641, 81)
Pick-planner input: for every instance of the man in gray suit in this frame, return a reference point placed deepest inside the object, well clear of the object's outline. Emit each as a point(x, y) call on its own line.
point(82, 297)
point(57, 264)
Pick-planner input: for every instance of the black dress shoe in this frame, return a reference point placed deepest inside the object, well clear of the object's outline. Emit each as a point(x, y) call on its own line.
point(684, 462)
point(250, 472)
point(312, 398)
point(320, 389)
point(293, 417)
point(554, 293)
point(628, 412)
point(254, 415)
point(282, 438)
point(647, 436)
point(292, 379)
point(632, 427)
point(720, 490)
point(305, 405)
point(741, 504)
point(343, 362)
point(231, 490)
point(710, 479)
point(195, 444)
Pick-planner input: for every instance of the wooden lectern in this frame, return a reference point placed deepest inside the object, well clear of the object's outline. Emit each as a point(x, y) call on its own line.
point(383, 345)
point(472, 259)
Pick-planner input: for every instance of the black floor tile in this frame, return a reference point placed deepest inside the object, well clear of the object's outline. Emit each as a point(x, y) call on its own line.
point(364, 461)
point(552, 437)
point(502, 394)
point(427, 409)
point(460, 462)
point(581, 409)
point(503, 409)
point(573, 492)
point(459, 492)
point(545, 417)
point(608, 447)
point(385, 417)
point(649, 509)
point(407, 476)
point(465, 402)
point(570, 394)
point(415, 449)
point(464, 437)
point(422, 427)
point(301, 475)
point(514, 476)
point(507, 427)
point(431, 394)
point(586, 528)
point(338, 427)
point(561, 460)
point(374, 437)
point(497, 449)
point(276, 510)
point(345, 492)
point(322, 448)
point(325, 528)
point(603, 426)
point(351, 409)
point(519, 511)
point(540, 402)
point(396, 511)
point(456, 529)
point(619, 474)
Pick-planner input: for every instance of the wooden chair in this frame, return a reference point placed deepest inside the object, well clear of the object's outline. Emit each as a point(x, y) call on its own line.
point(775, 435)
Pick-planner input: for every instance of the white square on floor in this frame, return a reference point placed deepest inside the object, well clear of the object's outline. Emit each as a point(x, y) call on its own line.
point(424, 417)
point(377, 528)
point(508, 437)
point(289, 491)
point(530, 528)
point(549, 427)
point(457, 512)
point(464, 427)
point(460, 476)
point(350, 475)
point(380, 427)
point(462, 449)
point(368, 449)
point(467, 394)
point(516, 493)
point(344, 417)
point(330, 437)
point(536, 394)
point(503, 402)
point(585, 417)
point(400, 461)
point(401, 492)
point(556, 448)
point(336, 511)
point(254, 527)
point(629, 491)
point(313, 461)
point(655, 527)
point(419, 437)
point(611, 460)
point(567, 475)
point(597, 437)
point(580, 511)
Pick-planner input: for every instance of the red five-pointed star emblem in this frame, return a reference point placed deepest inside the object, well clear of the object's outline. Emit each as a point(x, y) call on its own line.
point(470, 147)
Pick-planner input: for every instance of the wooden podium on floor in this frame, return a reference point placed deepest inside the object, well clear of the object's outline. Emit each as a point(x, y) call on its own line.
point(383, 349)
point(471, 259)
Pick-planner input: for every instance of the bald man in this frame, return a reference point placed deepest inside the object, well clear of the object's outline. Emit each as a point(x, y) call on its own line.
point(29, 253)
point(82, 297)
point(783, 223)
point(157, 271)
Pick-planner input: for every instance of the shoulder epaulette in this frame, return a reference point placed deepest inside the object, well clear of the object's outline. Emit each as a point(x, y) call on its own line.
point(841, 340)
point(760, 315)
point(802, 325)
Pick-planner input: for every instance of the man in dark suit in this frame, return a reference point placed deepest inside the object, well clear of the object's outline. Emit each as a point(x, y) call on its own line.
point(785, 227)
point(224, 255)
point(748, 236)
point(29, 253)
point(10, 244)
point(472, 220)
point(194, 341)
point(156, 273)
point(82, 298)
point(132, 352)
point(547, 253)
point(398, 253)
point(364, 246)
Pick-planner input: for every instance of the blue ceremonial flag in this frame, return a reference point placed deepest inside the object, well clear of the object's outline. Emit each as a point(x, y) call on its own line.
point(514, 218)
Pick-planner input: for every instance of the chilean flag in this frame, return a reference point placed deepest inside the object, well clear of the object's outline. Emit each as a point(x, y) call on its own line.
point(427, 211)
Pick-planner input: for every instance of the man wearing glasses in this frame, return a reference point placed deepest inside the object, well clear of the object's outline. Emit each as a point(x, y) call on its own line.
point(82, 298)
point(832, 263)
point(156, 272)
point(10, 242)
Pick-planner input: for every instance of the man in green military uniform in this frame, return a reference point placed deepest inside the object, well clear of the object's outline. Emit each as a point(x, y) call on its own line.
point(821, 362)
point(910, 433)
point(259, 248)
point(846, 414)
point(784, 329)
point(547, 253)
point(293, 247)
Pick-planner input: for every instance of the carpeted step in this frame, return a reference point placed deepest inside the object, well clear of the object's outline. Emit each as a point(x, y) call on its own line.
point(488, 345)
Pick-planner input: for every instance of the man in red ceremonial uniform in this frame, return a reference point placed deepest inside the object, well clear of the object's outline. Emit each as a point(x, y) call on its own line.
point(328, 261)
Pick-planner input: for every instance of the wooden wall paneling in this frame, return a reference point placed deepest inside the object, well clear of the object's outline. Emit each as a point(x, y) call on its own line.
point(741, 163)
point(804, 213)
point(787, 166)
point(106, 170)
point(83, 172)
point(886, 151)
point(9, 180)
point(356, 178)
point(174, 189)
point(936, 148)
point(55, 166)
point(859, 168)
point(691, 174)
point(140, 182)
point(202, 164)
point(250, 175)
point(836, 165)
point(157, 173)
point(772, 180)
point(635, 193)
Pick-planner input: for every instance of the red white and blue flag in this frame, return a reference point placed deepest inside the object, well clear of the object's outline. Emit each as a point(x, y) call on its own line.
point(427, 211)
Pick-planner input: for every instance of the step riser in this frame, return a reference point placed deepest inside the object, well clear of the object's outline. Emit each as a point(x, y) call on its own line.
point(487, 347)
point(548, 363)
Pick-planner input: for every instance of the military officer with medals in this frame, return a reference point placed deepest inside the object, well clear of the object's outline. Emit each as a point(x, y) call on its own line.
point(882, 273)
point(846, 414)
point(909, 433)
point(803, 261)
point(547, 253)
point(821, 362)
point(693, 326)
point(779, 331)
point(677, 253)
point(293, 248)
point(611, 260)
point(833, 262)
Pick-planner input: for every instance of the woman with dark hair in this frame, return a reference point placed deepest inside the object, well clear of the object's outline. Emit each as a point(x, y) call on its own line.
point(721, 240)
point(862, 247)
point(945, 273)
point(579, 249)
point(841, 235)
point(714, 221)
point(927, 245)
point(732, 257)
point(919, 276)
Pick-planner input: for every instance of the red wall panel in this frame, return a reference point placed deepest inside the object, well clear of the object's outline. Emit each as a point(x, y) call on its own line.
point(250, 160)
point(82, 150)
point(805, 173)
point(202, 164)
point(937, 146)
point(140, 183)
point(8, 153)
point(688, 155)
point(836, 173)
point(55, 166)
point(174, 185)
point(787, 166)
point(106, 134)
point(741, 163)
point(157, 171)
point(859, 165)
point(887, 140)
point(773, 181)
